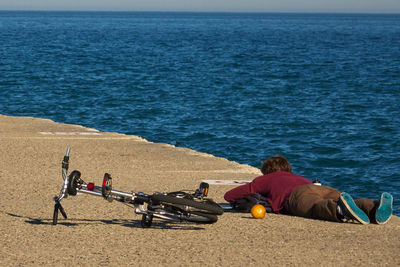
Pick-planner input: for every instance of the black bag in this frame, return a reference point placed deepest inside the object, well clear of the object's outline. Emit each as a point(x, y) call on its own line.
point(245, 204)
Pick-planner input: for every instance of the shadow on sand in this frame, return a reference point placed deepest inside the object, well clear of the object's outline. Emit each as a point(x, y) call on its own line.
point(157, 224)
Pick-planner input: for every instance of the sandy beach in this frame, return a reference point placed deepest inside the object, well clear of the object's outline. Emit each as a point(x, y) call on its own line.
point(99, 233)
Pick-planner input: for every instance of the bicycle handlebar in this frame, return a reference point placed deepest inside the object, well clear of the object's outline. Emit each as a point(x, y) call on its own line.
point(65, 162)
point(65, 165)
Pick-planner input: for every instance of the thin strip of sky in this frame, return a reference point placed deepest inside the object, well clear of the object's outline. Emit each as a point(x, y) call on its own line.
point(346, 6)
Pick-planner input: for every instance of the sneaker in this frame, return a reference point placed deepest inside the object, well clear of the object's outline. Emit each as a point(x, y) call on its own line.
point(384, 211)
point(350, 211)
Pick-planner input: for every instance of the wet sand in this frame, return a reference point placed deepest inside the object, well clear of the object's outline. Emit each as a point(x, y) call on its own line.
point(99, 233)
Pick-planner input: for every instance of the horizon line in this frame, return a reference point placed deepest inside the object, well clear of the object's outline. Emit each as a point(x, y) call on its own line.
point(202, 11)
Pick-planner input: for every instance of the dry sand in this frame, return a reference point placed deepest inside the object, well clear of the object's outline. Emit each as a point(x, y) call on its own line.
point(98, 233)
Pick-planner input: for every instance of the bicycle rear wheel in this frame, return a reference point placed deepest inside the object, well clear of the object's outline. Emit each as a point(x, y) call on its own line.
point(205, 207)
point(201, 217)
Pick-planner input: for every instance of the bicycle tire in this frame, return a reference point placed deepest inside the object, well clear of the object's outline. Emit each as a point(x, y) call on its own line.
point(71, 187)
point(147, 220)
point(205, 207)
point(201, 217)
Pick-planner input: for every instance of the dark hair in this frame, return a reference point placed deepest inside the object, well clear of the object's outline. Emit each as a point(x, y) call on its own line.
point(276, 163)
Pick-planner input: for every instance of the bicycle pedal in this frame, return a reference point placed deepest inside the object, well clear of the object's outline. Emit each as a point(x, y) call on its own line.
point(204, 189)
point(107, 186)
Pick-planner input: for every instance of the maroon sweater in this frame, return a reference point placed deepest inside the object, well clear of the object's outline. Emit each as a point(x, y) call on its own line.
point(276, 187)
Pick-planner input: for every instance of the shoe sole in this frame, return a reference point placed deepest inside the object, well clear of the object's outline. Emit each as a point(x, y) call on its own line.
point(352, 208)
point(384, 211)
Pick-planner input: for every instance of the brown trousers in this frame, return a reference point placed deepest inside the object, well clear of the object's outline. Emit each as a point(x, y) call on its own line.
point(320, 202)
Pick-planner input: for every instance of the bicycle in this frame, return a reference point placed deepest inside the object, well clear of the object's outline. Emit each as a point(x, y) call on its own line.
point(173, 206)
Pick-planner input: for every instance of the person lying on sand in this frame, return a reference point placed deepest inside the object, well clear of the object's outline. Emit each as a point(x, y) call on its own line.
point(292, 194)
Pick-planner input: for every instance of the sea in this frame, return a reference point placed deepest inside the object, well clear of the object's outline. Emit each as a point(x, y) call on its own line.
point(323, 90)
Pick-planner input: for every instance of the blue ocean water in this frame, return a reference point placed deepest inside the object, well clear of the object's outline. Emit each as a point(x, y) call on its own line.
point(321, 89)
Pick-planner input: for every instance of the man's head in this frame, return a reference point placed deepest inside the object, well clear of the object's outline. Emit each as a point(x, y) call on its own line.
point(276, 163)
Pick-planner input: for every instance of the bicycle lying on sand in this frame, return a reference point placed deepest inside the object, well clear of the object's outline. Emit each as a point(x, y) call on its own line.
point(173, 206)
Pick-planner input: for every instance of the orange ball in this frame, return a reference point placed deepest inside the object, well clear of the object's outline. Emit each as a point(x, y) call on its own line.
point(258, 211)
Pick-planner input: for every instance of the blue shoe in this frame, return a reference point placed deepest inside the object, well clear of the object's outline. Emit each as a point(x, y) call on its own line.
point(350, 210)
point(384, 211)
